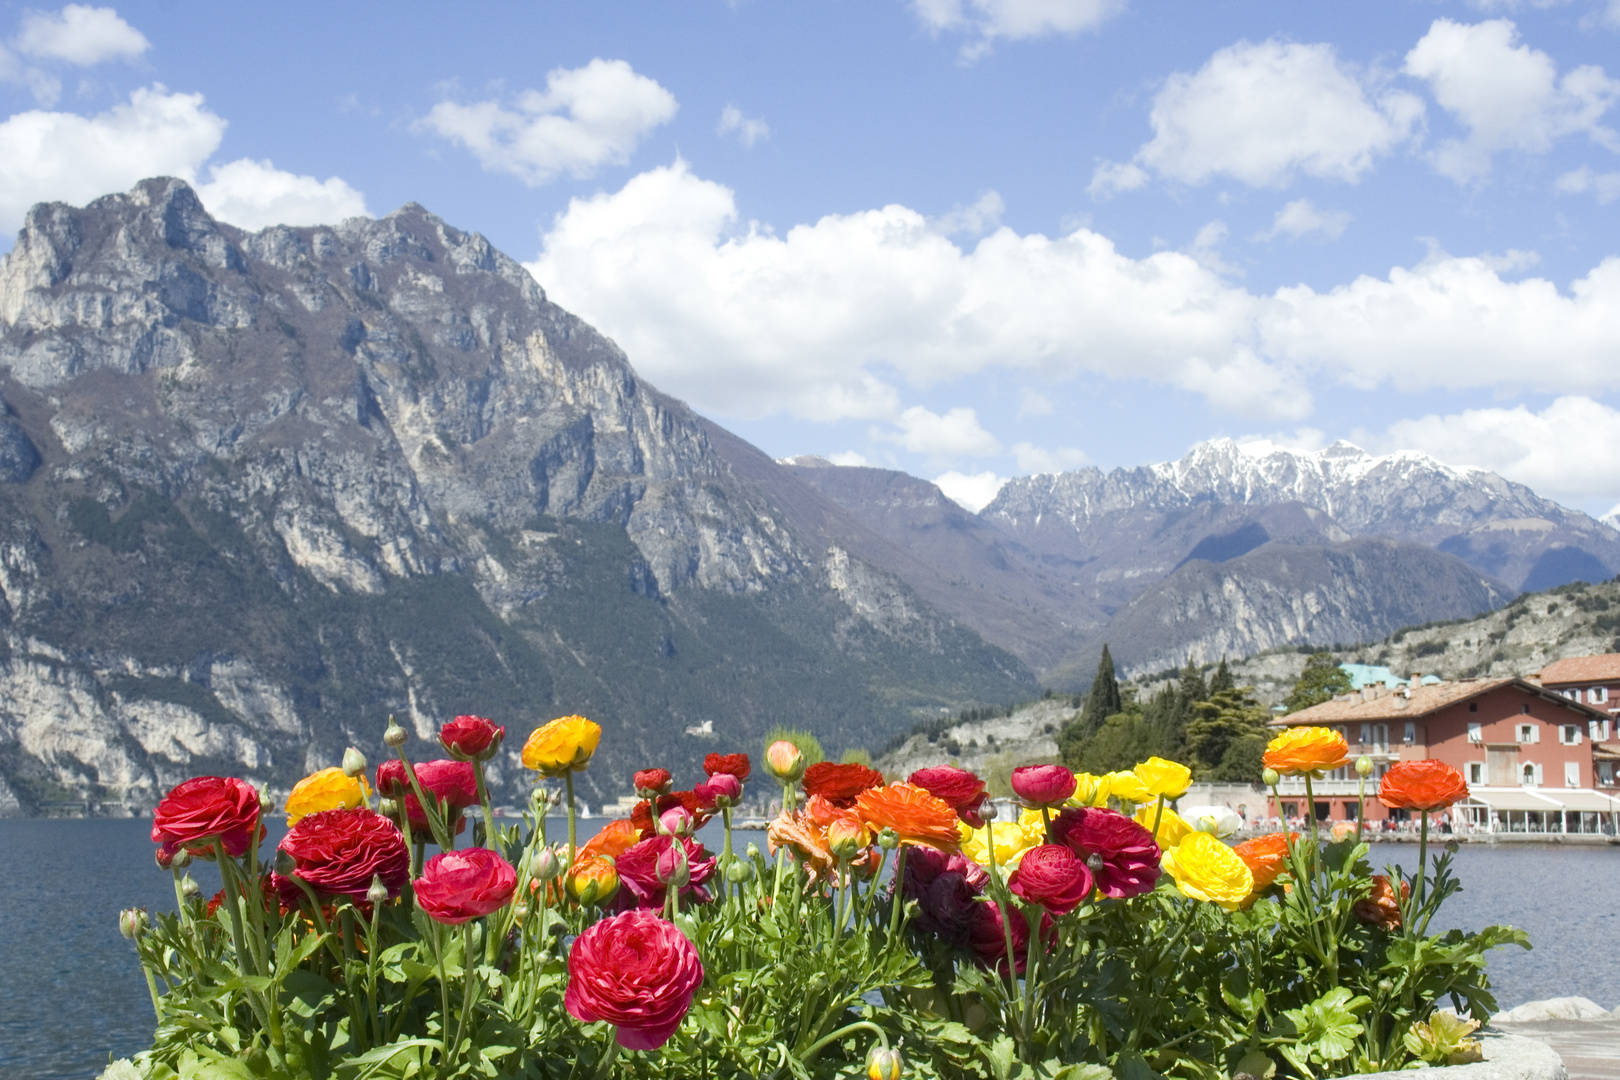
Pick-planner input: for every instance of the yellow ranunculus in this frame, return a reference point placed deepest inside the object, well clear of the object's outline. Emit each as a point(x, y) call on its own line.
point(1170, 779)
point(1090, 790)
point(1206, 869)
point(564, 745)
point(1013, 838)
point(328, 789)
point(1172, 829)
point(1313, 750)
point(1128, 787)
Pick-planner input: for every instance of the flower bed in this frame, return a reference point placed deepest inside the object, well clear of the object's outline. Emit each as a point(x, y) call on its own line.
point(1096, 935)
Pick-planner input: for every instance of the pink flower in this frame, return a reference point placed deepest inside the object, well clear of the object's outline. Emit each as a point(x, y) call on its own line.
point(638, 973)
point(640, 884)
point(204, 809)
point(722, 789)
point(1121, 854)
point(471, 738)
point(459, 885)
point(1043, 785)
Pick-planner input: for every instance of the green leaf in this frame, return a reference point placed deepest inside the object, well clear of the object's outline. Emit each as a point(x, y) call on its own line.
point(1000, 1055)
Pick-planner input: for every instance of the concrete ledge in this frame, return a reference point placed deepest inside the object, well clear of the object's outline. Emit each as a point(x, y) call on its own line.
point(1507, 1057)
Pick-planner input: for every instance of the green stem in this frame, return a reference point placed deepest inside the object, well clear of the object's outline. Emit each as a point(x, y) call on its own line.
point(573, 849)
point(468, 971)
point(815, 1048)
point(1158, 813)
point(1004, 903)
point(435, 820)
point(1423, 857)
point(444, 994)
point(483, 804)
point(725, 856)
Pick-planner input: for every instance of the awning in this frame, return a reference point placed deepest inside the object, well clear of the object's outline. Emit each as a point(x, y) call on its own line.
point(1587, 801)
point(1553, 799)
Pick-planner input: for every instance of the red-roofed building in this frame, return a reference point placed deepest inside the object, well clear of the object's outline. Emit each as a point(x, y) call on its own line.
point(1526, 750)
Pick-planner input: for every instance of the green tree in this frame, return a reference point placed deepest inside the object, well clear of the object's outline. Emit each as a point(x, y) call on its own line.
point(1218, 726)
point(1322, 680)
point(1221, 680)
point(1125, 739)
point(1104, 700)
point(1192, 686)
point(858, 755)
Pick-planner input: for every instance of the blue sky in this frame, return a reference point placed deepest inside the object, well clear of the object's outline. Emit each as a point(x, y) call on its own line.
point(970, 239)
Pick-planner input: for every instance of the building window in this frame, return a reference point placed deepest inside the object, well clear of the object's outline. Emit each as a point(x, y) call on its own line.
point(1473, 706)
point(1569, 734)
point(1606, 773)
point(1572, 774)
point(1597, 695)
point(1573, 695)
point(1476, 772)
point(1476, 733)
point(1598, 730)
point(1366, 734)
point(1528, 733)
point(1530, 775)
point(1410, 735)
point(1524, 709)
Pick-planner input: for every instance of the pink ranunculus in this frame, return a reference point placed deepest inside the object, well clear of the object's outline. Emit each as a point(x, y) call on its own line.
point(639, 881)
point(199, 811)
point(637, 972)
point(1121, 854)
point(961, 790)
point(722, 790)
point(1043, 785)
point(1052, 876)
point(338, 852)
point(459, 885)
point(453, 782)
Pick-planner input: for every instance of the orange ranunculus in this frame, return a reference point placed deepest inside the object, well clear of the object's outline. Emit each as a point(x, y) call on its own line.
point(794, 830)
point(1267, 857)
point(1421, 785)
point(616, 838)
point(1380, 908)
point(593, 880)
point(1307, 750)
point(564, 745)
point(918, 817)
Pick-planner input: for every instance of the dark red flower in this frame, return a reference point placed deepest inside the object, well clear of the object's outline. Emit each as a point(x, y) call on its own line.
point(737, 765)
point(637, 972)
point(1121, 854)
point(1421, 785)
point(199, 811)
point(338, 852)
point(639, 880)
point(456, 886)
point(946, 888)
point(1052, 876)
point(1043, 785)
point(839, 784)
point(960, 789)
point(651, 783)
point(471, 738)
point(988, 940)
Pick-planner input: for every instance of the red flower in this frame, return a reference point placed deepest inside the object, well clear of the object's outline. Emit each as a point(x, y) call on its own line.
point(204, 809)
point(959, 789)
point(471, 738)
point(337, 852)
point(720, 786)
point(459, 885)
point(1421, 785)
point(1120, 853)
point(1043, 785)
point(1052, 876)
point(455, 782)
point(642, 812)
point(737, 765)
point(641, 885)
point(988, 939)
point(945, 888)
point(650, 783)
point(839, 784)
point(638, 973)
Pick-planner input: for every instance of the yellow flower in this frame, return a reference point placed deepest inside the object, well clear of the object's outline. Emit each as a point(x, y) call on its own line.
point(1090, 790)
point(566, 744)
point(1013, 838)
point(1172, 829)
point(1128, 787)
point(1206, 869)
point(328, 789)
point(1167, 778)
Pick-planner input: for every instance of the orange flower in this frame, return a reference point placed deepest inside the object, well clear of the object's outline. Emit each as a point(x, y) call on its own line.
point(1380, 908)
point(918, 817)
point(1421, 785)
point(1307, 750)
point(795, 831)
point(616, 838)
point(594, 880)
point(1267, 857)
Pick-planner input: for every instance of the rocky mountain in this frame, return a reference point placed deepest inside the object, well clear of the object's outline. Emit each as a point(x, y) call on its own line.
point(260, 491)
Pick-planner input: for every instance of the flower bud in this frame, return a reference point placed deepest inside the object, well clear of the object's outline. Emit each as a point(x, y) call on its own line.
point(395, 736)
point(354, 763)
point(388, 807)
point(1270, 777)
point(739, 871)
point(752, 851)
point(378, 893)
point(180, 860)
point(1451, 846)
point(673, 869)
point(651, 783)
point(520, 911)
point(676, 821)
point(266, 801)
point(1364, 765)
point(132, 922)
point(882, 1063)
point(547, 865)
point(285, 864)
point(845, 836)
point(784, 761)
point(539, 801)
point(986, 810)
point(888, 839)
point(593, 880)
point(189, 888)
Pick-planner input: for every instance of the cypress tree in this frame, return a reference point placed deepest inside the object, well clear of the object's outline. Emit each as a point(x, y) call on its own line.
point(1104, 700)
point(1192, 688)
point(1221, 680)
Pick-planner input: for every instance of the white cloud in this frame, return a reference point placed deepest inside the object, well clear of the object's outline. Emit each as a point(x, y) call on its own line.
point(956, 434)
point(972, 492)
point(1301, 218)
point(587, 117)
point(1264, 113)
point(1206, 249)
point(80, 34)
point(255, 194)
point(975, 220)
point(1033, 459)
point(1014, 19)
point(748, 130)
point(1112, 177)
point(65, 157)
point(1508, 95)
point(849, 457)
point(1568, 451)
point(1605, 187)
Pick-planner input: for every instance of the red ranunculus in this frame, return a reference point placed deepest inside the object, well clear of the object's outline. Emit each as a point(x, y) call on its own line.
point(642, 813)
point(455, 782)
point(1421, 785)
point(1043, 785)
point(737, 765)
point(945, 888)
point(1121, 854)
point(637, 972)
point(958, 788)
point(203, 809)
point(640, 884)
point(650, 783)
point(720, 786)
point(839, 784)
point(391, 779)
point(459, 885)
point(471, 738)
point(338, 852)
point(988, 939)
point(1052, 876)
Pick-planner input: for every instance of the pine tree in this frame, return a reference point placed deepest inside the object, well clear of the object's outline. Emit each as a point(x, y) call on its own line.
point(1227, 735)
point(1221, 680)
point(1192, 688)
point(1322, 680)
point(1104, 700)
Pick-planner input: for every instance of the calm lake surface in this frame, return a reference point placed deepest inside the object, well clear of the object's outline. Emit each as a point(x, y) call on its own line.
point(75, 994)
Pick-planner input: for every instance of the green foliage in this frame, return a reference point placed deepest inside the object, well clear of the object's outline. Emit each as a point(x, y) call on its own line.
point(1104, 700)
point(1124, 739)
point(857, 755)
point(1222, 679)
point(809, 746)
point(1219, 727)
point(1321, 680)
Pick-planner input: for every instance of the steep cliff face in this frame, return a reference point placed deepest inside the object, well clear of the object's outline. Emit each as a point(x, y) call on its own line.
point(258, 491)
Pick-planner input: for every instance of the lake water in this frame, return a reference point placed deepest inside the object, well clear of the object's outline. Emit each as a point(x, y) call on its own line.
point(75, 994)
